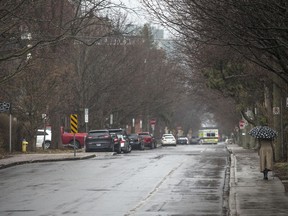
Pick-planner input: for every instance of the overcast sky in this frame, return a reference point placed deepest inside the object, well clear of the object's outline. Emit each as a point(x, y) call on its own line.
point(139, 16)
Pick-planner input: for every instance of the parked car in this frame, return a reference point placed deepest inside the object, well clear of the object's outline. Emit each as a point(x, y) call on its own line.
point(182, 140)
point(99, 140)
point(168, 139)
point(123, 143)
point(68, 139)
point(117, 146)
point(40, 143)
point(148, 139)
point(228, 141)
point(194, 140)
point(135, 141)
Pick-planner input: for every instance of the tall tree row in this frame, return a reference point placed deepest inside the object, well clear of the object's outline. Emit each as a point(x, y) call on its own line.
point(239, 48)
point(58, 58)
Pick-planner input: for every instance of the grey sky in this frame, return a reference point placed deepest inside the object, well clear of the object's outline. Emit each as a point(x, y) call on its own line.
point(139, 16)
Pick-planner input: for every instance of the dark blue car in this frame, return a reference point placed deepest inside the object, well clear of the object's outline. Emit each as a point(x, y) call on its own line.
point(136, 141)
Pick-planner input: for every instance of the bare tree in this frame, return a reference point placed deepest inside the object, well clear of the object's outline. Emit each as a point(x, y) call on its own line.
point(35, 39)
point(257, 30)
point(28, 26)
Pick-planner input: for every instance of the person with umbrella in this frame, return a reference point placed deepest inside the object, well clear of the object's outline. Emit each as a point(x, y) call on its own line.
point(265, 135)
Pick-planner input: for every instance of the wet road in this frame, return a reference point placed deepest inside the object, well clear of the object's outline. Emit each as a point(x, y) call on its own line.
point(182, 180)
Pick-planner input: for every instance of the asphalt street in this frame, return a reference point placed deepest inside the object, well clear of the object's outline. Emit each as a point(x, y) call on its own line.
point(249, 194)
point(182, 180)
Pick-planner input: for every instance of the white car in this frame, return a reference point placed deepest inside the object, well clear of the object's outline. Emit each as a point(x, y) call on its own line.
point(40, 138)
point(168, 139)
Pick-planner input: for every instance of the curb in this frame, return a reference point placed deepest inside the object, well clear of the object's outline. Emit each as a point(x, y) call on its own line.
point(232, 184)
point(232, 200)
point(3, 166)
point(226, 188)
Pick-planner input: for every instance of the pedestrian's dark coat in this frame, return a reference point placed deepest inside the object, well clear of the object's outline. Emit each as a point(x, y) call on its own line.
point(266, 154)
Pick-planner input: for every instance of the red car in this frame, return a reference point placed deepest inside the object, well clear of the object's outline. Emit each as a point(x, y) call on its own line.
point(148, 140)
point(68, 139)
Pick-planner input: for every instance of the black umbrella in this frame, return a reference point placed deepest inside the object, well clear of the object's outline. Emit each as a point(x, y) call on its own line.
point(263, 132)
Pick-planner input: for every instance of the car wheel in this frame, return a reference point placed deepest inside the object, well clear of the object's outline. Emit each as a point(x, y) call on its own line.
point(129, 148)
point(112, 149)
point(142, 147)
point(46, 145)
point(126, 150)
point(119, 150)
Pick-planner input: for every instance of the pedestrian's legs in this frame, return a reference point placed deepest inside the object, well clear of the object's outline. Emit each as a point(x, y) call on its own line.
point(265, 172)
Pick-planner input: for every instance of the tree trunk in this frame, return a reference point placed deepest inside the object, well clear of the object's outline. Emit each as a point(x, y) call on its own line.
point(56, 132)
point(277, 120)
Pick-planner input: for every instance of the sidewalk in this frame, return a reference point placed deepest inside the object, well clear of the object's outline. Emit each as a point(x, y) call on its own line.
point(34, 158)
point(249, 193)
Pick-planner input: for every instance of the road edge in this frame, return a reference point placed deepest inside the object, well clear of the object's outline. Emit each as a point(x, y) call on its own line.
point(232, 201)
point(3, 166)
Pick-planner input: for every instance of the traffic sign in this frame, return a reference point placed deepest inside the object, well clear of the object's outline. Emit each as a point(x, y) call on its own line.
point(74, 123)
point(152, 121)
point(86, 115)
point(5, 107)
point(242, 124)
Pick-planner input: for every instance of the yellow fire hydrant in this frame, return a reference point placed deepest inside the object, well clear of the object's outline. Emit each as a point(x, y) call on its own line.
point(24, 145)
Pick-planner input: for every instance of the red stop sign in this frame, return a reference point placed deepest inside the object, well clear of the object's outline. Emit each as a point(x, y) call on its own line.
point(152, 121)
point(241, 124)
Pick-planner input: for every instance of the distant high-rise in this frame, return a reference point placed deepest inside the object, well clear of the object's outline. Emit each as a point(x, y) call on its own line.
point(157, 33)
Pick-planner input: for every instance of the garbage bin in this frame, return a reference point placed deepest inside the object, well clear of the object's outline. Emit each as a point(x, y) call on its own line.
point(24, 145)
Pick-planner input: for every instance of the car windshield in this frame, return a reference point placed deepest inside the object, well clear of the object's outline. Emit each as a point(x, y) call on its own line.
point(98, 133)
point(145, 135)
point(120, 136)
point(39, 133)
point(133, 136)
point(168, 135)
point(210, 134)
point(117, 131)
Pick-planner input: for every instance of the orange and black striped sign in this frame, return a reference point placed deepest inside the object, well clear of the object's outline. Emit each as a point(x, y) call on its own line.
point(74, 123)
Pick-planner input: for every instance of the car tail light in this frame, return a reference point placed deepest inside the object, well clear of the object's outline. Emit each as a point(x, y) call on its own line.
point(122, 143)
